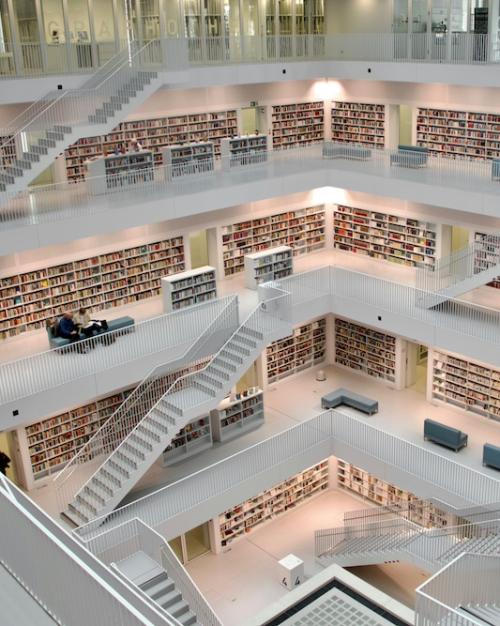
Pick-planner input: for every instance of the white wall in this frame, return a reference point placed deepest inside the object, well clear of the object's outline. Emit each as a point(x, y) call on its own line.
point(358, 16)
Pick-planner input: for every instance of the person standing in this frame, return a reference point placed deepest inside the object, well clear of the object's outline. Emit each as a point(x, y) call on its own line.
point(4, 462)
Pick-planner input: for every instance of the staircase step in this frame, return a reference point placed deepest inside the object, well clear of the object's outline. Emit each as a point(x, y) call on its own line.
point(100, 484)
point(24, 163)
point(126, 460)
point(111, 475)
point(74, 512)
point(235, 358)
point(251, 332)
point(219, 373)
point(133, 450)
point(178, 609)
point(158, 586)
point(210, 391)
point(15, 170)
point(36, 149)
point(223, 364)
point(119, 99)
point(163, 415)
point(92, 493)
point(150, 422)
point(84, 505)
point(168, 406)
point(210, 380)
point(245, 341)
point(116, 467)
point(30, 157)
point(62, 129)
point(47, 143)
point(7, 179)
point(166, 597)
point(187, 619)
point(55, 135)
point(142, 441)
point(97, 119)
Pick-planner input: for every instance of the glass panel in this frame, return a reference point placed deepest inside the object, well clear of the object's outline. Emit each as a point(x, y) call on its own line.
point(458, 21)
point(270, 17)
point(172, 9)
point(104, 30)
point(400, 18)
point(7, 66)
point(439, 16)
point(419, 24)
point(53, 24)
point(197, 541)
point(192, 12)
point(213, 18)
point(150, 16)
point(176, 545)
point(315, 14)
point(285, 16)
point(79, 33)
point(250, 17)
point(29, 35)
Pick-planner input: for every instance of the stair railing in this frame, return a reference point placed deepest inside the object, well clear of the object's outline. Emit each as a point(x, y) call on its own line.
point(132, 411)
point(74, 106)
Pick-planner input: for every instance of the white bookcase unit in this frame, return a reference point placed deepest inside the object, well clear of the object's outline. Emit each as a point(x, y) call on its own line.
point(401, 240)
point(376, 490)
point(187, 288)
point(359, 123)
point(99, 282)
point(153, 134)
point(271, 264)
point(298, 124)
point(241, 519)
point(243, 150)
point(303, 230)
point(119, 171)
point(459, 134)
point(465, 384)
point(192, 439)
point(487, 254)
point(366, 350)
point(304, 349)
point(238, 414)
point(188, 158)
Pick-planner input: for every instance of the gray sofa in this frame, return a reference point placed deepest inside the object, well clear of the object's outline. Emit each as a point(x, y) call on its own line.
point(410, 156)
point(491, 456)
point(116, 324)
point(349, 398)
point(332, 150)
point(444, 435)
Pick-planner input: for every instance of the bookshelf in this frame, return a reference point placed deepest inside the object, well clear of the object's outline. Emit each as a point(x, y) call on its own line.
point(401, 240)
point(241, 519)
point(359, 123)
point(303, 230)
point(368, 351)
point(153, 134)
point(383, 493)
point(46, 446)
point(487, 254)
point(271, 264)
point(459, 134)
point(188, 158)
point(8, 152)
point(465, 384)
point(119, 171)
point(188, 288)
point(243, 150)
point(192, 439)
point(304, 349)
point(298, 124)
point(99, 282)
point(238, 414)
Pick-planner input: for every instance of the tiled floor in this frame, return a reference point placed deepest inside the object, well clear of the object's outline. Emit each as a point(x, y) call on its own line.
point(244, 580)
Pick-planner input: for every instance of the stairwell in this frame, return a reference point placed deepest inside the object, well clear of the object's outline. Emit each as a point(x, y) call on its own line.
point(188, 398)
point(60, 118)
point(469, 268)
point(162, 590)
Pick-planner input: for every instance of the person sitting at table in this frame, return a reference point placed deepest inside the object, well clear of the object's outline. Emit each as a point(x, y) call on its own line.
point(134, 145)
point(67, 328)
point(89, 327)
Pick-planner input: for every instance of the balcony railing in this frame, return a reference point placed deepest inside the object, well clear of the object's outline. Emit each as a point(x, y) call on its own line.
point(171, 332)
point(64, 201)
point(38, 58)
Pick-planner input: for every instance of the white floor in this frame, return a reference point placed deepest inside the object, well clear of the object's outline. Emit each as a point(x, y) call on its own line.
point(244, 580)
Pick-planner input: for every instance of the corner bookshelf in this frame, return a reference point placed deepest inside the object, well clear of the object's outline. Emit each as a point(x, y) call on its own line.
point(459, 134)
point(465, 384)
point(365, 350)
point(188, 288)
point(241, 519)
point(271, 264)
point(359, 123)
point(487, 254)
point(243, 150)
point(99, 282)
point(238, 415)
point(153, 134)
point(119, 171)
point(303, 230)
point(401, 240)
point(374, 489)
point(46, 446)
point(188, 158)
point(304, 349)
point(298, 124)
point(192, 439)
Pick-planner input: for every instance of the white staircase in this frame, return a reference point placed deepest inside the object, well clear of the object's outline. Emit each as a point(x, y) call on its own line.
point(188, 398)
point(489, 615)
point(60, 118)
point(162, 590)
point(473, 266)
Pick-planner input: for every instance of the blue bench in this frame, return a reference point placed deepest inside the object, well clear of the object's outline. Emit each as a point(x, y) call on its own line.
point(333, 150)
point(491, 456)
point(495, 169)
point(349, 398)
point(410, 156)
point(444, 435)
point(120, 323)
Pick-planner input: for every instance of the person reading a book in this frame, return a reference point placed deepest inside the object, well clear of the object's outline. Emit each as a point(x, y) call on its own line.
point(67, 328)
point(134, 145)
point(88, 326)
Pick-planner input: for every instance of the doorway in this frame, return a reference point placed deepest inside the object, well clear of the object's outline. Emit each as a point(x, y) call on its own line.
point(459, 238)
point(198, 248)
point(416, 367)
point(405, 125)
point(253, 120)
point(192, 544)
